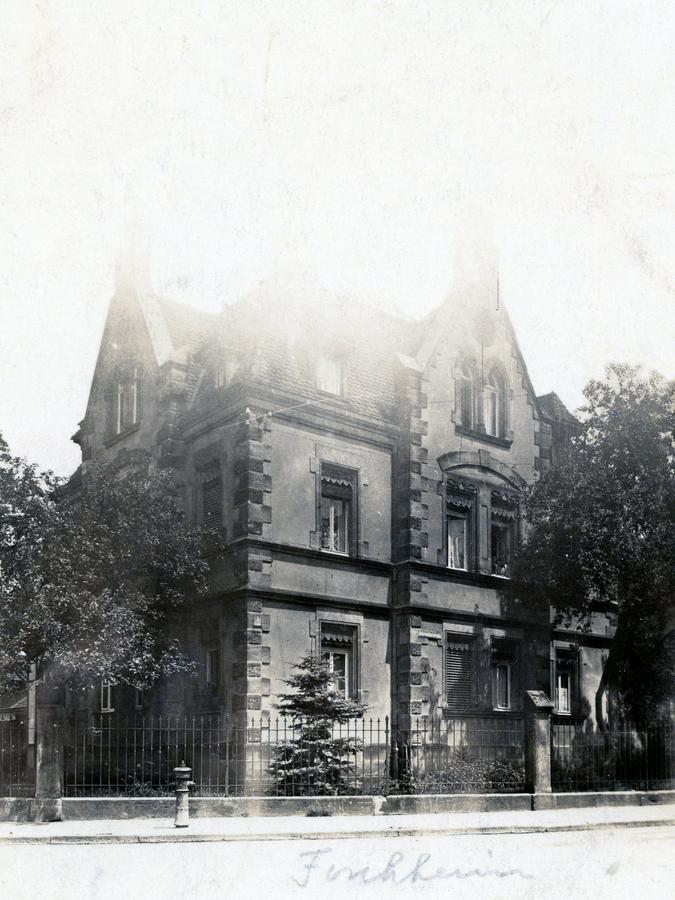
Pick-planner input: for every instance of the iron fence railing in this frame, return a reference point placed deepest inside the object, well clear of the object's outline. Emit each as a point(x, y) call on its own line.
point(622, 758)
point(15, 769)
point(109, 754)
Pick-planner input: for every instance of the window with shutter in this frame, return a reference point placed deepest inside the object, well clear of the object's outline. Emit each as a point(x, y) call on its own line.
point(459, 673)
point(212, 501)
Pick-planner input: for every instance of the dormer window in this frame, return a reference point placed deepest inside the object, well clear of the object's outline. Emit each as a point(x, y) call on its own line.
point(329, 375)
point(127, 405)
point(224, 373)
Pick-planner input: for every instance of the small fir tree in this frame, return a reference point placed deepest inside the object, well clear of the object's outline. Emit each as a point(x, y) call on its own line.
point(319, 757)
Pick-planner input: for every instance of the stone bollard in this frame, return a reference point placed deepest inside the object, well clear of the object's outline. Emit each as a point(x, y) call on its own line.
point(538, 748)
point(183, 785)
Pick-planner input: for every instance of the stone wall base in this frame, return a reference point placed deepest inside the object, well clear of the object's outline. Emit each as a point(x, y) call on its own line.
point(88, 808)
point(26, 809)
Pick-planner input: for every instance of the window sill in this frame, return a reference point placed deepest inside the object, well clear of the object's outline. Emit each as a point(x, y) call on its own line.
point(470, 572)
point(327, 394)
point(115, 438)
point(341, 553)
point(484, 437)
point(477, 713)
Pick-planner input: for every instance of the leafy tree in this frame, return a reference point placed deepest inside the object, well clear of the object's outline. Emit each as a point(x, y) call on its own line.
point(89, 579)
point(601, 535)
point(317, 760)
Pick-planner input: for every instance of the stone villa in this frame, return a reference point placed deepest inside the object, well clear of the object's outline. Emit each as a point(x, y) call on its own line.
point(366, 473)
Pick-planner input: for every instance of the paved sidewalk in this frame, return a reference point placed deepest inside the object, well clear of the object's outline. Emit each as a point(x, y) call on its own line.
point(334, 827)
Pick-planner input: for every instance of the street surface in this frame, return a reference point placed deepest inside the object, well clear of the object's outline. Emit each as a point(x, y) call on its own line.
point(637, 862)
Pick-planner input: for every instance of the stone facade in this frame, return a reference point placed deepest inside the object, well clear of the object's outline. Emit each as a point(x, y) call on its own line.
point(366, 473)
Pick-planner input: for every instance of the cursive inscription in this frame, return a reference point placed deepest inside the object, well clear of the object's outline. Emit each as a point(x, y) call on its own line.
point(317, 866)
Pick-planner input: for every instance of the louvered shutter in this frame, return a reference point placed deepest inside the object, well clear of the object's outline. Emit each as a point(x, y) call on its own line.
point(459, 675)
point(212, 502)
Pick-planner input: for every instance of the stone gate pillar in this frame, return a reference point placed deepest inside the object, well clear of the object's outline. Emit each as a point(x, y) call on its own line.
point(49, 762)
point(538, 709)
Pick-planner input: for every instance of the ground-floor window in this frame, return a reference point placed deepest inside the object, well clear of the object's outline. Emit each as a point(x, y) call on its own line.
point(212, 667)
point(107, 697)
point(565, 680)
point(501, 685)
point(460, 672)
point(503, 665)
point(338, 651)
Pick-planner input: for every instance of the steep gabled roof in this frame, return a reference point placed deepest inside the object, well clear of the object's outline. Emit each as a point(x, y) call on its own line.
point(279, 330)
point(186, 326)
point(554, 409)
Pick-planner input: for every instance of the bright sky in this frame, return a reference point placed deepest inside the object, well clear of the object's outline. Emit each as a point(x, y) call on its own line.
point(343, 137)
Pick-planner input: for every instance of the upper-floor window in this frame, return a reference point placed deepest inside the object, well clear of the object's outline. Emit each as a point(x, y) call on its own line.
point(337, 511)
point(329, 375)
point(460, 523)
point(503, 532)
point(458, 536)
point(210, 497)
point(494, 404)
point(127, 406)
point(467, 397)
point(338, 652)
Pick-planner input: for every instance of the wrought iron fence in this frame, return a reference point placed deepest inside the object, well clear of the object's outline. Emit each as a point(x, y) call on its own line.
point(583, 759)
point(109, 754)
point(15, 769)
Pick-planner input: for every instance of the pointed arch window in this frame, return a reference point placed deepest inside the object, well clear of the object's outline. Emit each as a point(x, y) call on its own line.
point(126, 406)
point(494, 404)
point(467, 397)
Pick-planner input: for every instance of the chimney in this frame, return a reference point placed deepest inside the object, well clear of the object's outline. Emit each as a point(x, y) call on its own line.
point(132, 269)
point(476, 258)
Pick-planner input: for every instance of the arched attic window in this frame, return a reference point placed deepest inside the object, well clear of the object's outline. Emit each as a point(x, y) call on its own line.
point(125, 409)
point(467, 396)
point(495, 403)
